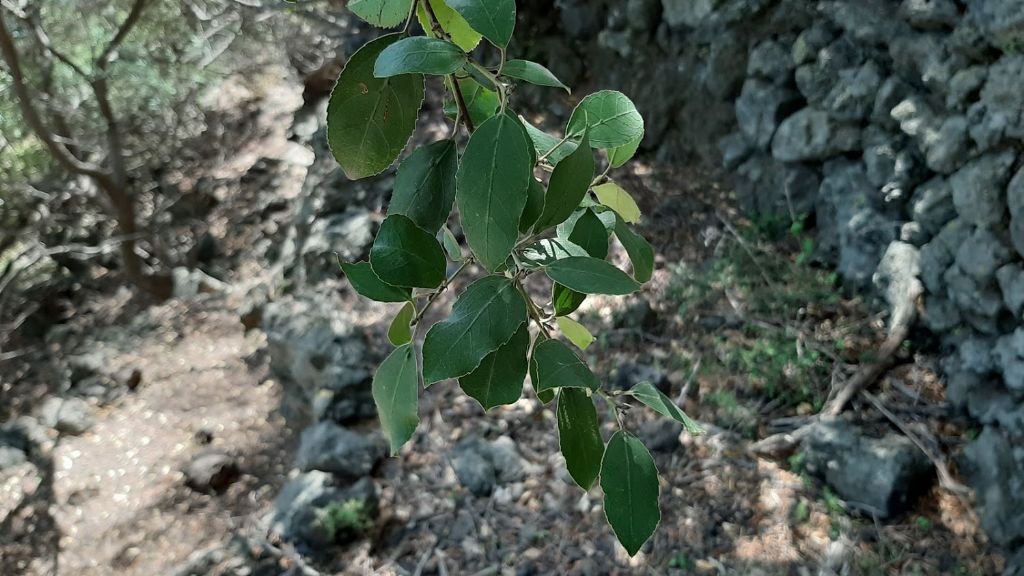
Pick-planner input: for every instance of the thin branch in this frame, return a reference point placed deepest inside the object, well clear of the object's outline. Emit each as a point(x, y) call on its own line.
point(946, 479)
point(444, 286)
point(22, 93)
point(438, 31)
point(126, 27)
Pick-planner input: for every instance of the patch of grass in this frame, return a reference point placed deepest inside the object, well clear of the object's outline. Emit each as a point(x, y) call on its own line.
point(680, 561)
point(801, 512)
point(346, 519)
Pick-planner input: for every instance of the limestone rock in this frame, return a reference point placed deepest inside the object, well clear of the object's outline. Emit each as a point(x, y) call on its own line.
point(878, 475)
point(812, 135)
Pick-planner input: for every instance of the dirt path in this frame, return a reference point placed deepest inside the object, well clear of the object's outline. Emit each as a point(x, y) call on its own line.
point(121, 503)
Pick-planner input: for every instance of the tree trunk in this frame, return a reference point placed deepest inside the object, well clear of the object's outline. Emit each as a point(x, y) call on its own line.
point(159, 286)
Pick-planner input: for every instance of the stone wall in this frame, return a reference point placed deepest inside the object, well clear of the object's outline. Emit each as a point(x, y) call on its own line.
point(896, 127)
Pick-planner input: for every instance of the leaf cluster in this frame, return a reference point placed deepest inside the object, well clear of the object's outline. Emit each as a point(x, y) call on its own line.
point(529, 204)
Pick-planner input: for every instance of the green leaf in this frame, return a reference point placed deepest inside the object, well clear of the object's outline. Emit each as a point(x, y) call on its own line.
point(495, 19)
point(419, 55)
point(546, 251)
point(481, 102)
point(591, 276)
point(568, 185)
point(611, 117)
point(613, 196)
point(565, 301)
point(492, 182)
point(576, 333)
point(629, 479)
point(526, 137)
point(640, 251)
point(545, 144)
point(484, 318)
point(451, 245)
point(395, 392)
point(425, 185)
point(400, 331)
point(657, 401)
point(588, 232)
point(498, 380)
point(369, 119)
point(579, 436)
point(617, 157)
point(557, 366)
point(403, 254)
point(534, 206)
point(546, 396)
point(382, 13)
point(369, 285)
point(456, 26)
point(533, 73)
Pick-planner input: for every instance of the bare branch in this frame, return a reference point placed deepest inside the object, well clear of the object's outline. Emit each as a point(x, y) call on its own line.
point(58, 150)
point(126, 27)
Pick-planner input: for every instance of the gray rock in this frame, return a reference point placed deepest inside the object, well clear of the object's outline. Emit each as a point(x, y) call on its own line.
point(689, 13)
point(630, 374)
point(1010, 354)
point(894, 167)
point(892, 91)
point(897, 276)
point(770, 60)
point(942, 140)
point(913, 234)
point(877, 475)
point(315, 351)
point(924, 58)
point(976, 355)
point(810, 41)
point(1011, 283)
point(475, 473)
point(999, 112)
point(660, 435)
point(1002, 21)
point(991, 404)
point(643, 15)
point(70, 416)
point(1017, 233)
point(759, 109)
point(775, 189)
point(812, 135)
point(947, 150)
point(1015, 202)
point(982, 254)
point(481, 466)
point(347, 236)
point(981, 303)
point(211, 472)
point(995, 467)
point(979, 188)
point(940, 314)
point(11, 457)
point(735, 150)
point(932, 205)
point(331, 448)
point(965, 85)
point(850, 231)
point(869, 21)
point(930, 14)
point(853, 96)
point(1015, 564)
point(300, 509)
point(816, 79)
point(938, 255)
